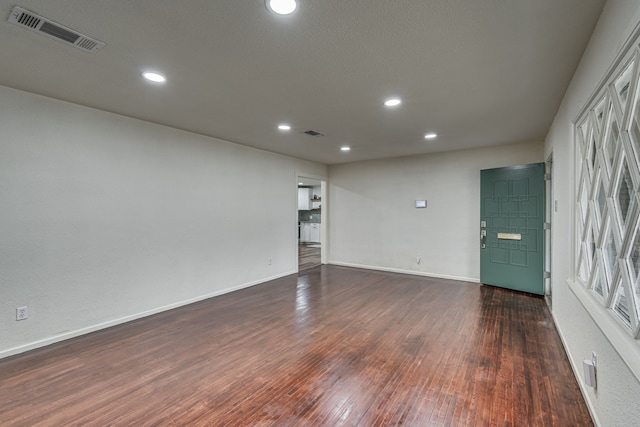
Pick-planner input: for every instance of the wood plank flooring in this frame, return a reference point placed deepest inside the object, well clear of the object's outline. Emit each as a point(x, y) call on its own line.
point(330, 346)
point(308, 256)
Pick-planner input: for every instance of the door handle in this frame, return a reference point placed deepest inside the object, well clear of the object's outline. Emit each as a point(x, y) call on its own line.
point(483, 234)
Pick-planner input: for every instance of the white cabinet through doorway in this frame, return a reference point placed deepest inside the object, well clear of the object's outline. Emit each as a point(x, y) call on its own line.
point(314, 232)
point(304, 199)
point(310, 232)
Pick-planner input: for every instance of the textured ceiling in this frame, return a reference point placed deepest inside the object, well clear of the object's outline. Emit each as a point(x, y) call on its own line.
point(481, 72)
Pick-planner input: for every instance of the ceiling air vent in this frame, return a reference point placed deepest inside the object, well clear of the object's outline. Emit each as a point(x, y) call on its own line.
point(46, 27)
point(313, 133)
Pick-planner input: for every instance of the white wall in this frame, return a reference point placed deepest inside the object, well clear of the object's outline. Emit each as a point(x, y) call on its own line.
point(616, 401)
point(374, 222)
point(104, 218)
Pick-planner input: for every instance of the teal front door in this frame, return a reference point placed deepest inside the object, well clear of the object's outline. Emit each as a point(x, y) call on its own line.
point(512, 227)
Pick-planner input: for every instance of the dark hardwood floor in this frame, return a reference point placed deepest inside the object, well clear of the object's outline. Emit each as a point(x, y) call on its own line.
point(330, 346)
point(308, 255)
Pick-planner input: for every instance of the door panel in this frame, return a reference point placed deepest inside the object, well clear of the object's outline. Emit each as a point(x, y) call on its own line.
point(512, 213)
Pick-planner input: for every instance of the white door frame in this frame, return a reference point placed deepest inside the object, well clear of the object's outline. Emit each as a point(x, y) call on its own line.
point(549, 211)
point(324, 228)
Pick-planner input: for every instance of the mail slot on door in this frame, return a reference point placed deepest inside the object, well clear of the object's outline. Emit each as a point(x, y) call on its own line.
point(509, 236)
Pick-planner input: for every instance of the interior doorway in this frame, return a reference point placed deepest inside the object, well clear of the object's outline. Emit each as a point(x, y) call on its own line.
point(311, 233)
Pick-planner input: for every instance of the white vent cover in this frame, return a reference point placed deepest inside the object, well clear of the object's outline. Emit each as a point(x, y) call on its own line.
point(48, 28)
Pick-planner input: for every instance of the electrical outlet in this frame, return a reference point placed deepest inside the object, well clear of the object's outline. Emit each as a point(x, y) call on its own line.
point(22, 313)
point(418, 259)
point(270, 261)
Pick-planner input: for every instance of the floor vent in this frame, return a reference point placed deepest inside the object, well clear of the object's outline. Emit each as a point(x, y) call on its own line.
point(313, 133)
point(48, 28)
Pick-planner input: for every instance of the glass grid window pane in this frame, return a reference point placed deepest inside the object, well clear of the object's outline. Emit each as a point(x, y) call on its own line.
point(583, 266)
point(636, 296)
point(610, 252)
point(601, 197)
point(584, 138)
point(600, 111)
point(626, 191)
point(621, 306)
point(623, 84)
point(634, 126)
point(634, 132)
point(593, 151)
point(597, 283)
point(608, 163)
point(591, 244)
point(634, 256)
point(583, 199)
point(612, 140)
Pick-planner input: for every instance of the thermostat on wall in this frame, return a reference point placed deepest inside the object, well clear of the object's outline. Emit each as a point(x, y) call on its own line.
point(421, 203)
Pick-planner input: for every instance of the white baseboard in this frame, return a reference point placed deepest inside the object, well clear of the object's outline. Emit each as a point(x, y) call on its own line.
point(413, 272)
point(577, 370)
point(83, 331)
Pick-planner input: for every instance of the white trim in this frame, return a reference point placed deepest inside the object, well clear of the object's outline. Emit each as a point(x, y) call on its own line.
point(627, 348)
point(413, 272)
point(577, 372)
point(83, 331)
point(548, 233)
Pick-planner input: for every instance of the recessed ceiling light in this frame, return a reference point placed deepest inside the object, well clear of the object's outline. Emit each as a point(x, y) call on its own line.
point(282, 7)
point(431, 135)
point(154, 77)
point(345, 148)
point(284, 127)
point(393, 102)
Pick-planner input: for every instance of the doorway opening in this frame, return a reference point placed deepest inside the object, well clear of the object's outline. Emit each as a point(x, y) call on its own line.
point(311, 227)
